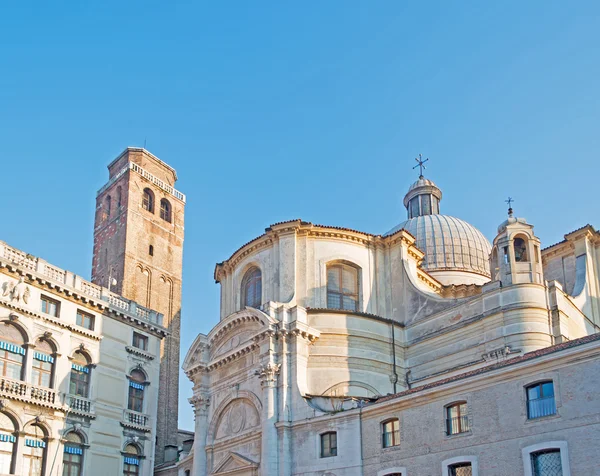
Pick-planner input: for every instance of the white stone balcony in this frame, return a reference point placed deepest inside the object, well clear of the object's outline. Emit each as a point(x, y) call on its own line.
point(80, 405)
point(26, 392)
point(137, 420)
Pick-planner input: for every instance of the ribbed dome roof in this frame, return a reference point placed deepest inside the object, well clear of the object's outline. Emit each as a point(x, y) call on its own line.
point(448, 243)
point(422, 182)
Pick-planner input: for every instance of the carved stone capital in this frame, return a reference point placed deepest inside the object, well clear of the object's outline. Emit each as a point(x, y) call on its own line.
point(268, 374)
point(200, 403)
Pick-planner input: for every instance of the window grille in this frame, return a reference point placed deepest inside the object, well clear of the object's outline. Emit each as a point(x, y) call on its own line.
point(546, 463)
point(460, 469)
point(457, 419)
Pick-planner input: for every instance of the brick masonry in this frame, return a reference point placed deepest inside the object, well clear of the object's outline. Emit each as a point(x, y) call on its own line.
point(123, 233)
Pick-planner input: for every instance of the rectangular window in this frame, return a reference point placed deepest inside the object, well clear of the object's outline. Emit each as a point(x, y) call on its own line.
point(140, 341)
point(391, 433)
point(540, 400)
point(85, 320)
point(342, 287)
point(460, 469)
point(50, 306)
point(457, 420)
point(328, 444)
point(546, 463)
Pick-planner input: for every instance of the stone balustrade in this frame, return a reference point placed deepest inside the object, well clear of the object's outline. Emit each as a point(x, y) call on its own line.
point(136, 420)
point(24, 391)
point(39, 268)
point(79, 404)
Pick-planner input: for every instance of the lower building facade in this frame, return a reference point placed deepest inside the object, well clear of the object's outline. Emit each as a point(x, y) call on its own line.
point(79, 373)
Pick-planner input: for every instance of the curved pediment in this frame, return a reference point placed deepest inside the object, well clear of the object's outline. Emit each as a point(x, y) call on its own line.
point(248, 318)
point(195, 354)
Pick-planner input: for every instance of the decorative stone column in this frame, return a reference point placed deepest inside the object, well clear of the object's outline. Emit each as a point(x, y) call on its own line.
point(270, 449)
point(200, 403)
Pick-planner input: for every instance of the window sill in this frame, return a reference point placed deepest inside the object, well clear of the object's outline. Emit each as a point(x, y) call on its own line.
point(139, 352)
point(390, 448)
point(530, 421)
point(459, 435)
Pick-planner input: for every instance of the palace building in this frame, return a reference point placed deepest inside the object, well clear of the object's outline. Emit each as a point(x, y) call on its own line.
point(90, 378)
point(80, 379)
point(422, 351)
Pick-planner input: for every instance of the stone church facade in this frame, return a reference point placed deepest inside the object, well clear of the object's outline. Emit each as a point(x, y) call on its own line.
point(423, 351)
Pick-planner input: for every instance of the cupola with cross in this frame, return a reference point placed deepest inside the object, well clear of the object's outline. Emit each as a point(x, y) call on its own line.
point(515, 256)
point(455, 251)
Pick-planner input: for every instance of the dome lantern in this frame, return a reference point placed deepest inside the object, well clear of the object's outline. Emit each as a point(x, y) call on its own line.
point(424, 196)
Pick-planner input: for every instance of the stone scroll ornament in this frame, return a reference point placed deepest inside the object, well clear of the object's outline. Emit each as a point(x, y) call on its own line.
point(268, 373)
point(19, 291)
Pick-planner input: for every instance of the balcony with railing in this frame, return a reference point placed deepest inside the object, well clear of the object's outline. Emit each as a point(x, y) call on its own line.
point(136, 420)
point(26, 392)
point(541, 407)
point(456, 425)
point(79, 405)
point(41, 269)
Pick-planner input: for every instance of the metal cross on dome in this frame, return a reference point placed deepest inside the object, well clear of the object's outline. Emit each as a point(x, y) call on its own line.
point(420, 164)
point(509, 201)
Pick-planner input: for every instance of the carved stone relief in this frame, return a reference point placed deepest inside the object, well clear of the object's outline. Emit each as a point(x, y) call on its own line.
point(19, 291)
point(238, 416)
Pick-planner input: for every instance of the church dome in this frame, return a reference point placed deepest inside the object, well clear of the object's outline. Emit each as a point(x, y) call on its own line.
point(449, 244)
point(452, 246)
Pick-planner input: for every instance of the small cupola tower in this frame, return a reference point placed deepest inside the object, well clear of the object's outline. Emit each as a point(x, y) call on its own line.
point(423, 196)
point(515, 257)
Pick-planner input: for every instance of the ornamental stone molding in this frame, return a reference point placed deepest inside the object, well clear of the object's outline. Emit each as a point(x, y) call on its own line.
point(268, 374)
point(19, 291)
point(200, 403)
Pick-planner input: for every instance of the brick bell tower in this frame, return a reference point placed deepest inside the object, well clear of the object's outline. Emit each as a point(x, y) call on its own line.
point(138, 242)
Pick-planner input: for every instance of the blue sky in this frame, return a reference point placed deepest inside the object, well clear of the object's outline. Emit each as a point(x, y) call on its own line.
point(277, 110)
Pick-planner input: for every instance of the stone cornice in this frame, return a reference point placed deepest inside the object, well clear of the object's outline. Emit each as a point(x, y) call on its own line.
point(76, 297)
point(57, 322)
point(302, 228)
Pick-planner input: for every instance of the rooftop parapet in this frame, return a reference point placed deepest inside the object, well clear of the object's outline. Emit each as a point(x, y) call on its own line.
point(39, 269)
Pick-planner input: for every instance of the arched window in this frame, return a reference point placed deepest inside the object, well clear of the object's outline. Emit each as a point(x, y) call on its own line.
point(540, 400)
point(34, 453)
point(391, 433)
point(73, 456)
point(12, 351)
point(108, 205)
point(119, 197)
point(7, 443)
point(520, 247)
point(137, 383)
point(165, 210)
point(148, 200)
point(342, 287)
point(80, 375)
point(42, 371)
point(457, 419)
point(252, 288)
point(131, 461)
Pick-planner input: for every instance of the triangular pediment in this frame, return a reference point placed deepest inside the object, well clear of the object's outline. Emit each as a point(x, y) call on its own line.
point(234, 462)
